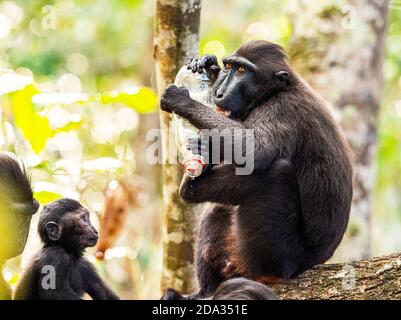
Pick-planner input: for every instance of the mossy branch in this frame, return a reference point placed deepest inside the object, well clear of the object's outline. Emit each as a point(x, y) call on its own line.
point(377, 278)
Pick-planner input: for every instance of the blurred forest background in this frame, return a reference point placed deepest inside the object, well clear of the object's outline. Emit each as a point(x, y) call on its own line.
point(77, 97)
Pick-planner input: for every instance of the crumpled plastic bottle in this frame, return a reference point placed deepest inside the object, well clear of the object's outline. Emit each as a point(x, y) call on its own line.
point(199, 88)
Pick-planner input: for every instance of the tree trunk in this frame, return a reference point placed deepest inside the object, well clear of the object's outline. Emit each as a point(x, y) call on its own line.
point(340, 50)
point(176, 39)
point(378, 278)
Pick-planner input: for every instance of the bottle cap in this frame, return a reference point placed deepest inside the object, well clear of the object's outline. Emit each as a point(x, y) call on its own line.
point(193, 166)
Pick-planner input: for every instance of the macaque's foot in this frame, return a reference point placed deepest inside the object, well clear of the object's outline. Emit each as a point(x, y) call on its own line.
point(206, 63)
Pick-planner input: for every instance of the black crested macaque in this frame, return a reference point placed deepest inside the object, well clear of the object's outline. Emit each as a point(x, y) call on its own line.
point(292, 211)
point(17, 206)
point(59, 271)
point(232, 289)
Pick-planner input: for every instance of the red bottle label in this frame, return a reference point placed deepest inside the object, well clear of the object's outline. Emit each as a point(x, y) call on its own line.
point(193, 166)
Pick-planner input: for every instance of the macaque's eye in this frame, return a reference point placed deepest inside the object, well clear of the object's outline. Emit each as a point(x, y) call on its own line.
point(241, 69)
point(227, 66)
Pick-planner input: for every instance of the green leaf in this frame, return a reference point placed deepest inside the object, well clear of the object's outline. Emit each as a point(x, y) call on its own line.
point(73, 125)
point(141, 99)
point(45, 197)
point(35, 128)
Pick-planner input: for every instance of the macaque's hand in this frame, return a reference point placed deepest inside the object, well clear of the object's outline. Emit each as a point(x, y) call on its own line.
point(199, 147)
point(202, 146)
point(171, 294)
point(175, 99)
point(206, 63)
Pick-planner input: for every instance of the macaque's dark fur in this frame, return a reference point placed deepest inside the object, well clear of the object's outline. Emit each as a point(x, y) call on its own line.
point(66, 231)
point(292, 211)
point(232, 289)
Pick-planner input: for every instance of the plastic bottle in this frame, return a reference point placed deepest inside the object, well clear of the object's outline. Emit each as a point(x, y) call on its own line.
point(199, 89)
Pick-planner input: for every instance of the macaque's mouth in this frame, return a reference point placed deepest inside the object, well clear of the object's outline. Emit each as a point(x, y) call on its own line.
point(91, 242)
point(222, 111)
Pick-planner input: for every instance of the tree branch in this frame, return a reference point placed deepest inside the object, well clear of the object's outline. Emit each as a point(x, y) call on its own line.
point(377, 278)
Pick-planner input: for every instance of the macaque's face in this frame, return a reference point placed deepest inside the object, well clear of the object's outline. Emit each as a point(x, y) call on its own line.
point(231, 89)
point(251, 75)
point(65, 222)
point(82, 230)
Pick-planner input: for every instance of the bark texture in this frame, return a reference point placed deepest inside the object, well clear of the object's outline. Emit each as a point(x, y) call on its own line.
point(378, 278)
point(339, 46)
point(176, 39)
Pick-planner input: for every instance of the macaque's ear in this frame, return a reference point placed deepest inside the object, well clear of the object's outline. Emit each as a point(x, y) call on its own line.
point(53, 231)
point(282, 76)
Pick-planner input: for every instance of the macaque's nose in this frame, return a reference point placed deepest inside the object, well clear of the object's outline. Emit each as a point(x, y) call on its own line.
point(95, 231)
point(219, 94)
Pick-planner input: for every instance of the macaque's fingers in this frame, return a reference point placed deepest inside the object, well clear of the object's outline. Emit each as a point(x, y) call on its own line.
point(202, 65)
point(209, 61)
point(206, 63)
point(189, 63)
point(194, 65)
point(197, 147)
